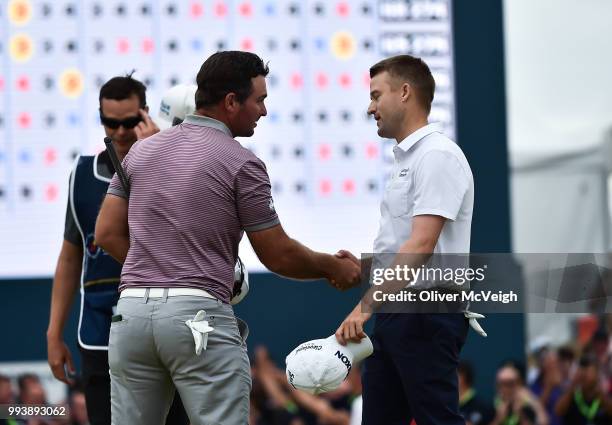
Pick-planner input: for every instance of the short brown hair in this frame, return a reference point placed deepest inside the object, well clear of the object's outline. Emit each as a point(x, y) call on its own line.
point(412, 70)
point(124, 87)
point(225, 72)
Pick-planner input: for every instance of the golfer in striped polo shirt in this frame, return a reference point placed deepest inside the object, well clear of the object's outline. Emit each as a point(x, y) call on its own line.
point(194, 191)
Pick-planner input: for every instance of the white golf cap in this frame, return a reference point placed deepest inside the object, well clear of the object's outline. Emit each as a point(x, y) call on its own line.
point(176, 103)
point(320, 365)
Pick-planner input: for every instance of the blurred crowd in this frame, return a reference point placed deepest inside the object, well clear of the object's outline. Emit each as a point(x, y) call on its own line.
point(565, 385)
point(275, 402)
point(30, 391)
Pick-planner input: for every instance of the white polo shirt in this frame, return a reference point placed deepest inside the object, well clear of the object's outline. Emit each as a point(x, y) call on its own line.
point(430, 176)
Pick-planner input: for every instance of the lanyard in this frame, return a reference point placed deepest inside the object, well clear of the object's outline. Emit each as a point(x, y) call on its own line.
point(511, 420)
point(588, 412)
point(467, 397)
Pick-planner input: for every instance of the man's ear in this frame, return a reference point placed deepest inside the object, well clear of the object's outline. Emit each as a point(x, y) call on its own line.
point(146, 108)
point(406, 90)
point(231, 102)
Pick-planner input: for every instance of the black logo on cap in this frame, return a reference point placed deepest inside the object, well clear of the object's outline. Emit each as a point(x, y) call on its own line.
point(345, 360)
point(309, 347)
point(291, 376)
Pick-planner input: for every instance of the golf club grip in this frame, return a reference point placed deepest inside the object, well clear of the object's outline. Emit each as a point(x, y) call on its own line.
point(117, 164)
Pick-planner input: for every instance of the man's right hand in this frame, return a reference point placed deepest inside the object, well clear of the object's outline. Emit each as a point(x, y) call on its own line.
point(345, 274)
point(351, 329)
point(58, 356)
point(146, 127)
point(347, 254)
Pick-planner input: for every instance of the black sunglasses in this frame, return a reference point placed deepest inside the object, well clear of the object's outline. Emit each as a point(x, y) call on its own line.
point(127, 123)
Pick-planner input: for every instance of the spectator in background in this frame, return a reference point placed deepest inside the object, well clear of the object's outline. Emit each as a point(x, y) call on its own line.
point(6, 396)
point(601, 348)
point(547, 385)
point(566, 358)
point(31, 390)
point(599, 344)
point(270, 404)
point(6, 390)
point(515, 404)
point(472, 408)
point(585, 402)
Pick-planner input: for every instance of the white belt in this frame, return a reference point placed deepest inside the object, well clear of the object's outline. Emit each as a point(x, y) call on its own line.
point(159, 292)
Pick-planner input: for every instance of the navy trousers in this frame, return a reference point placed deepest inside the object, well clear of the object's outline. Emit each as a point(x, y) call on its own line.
point(412, 373)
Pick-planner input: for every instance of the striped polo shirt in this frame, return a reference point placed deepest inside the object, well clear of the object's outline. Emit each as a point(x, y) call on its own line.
point(193, 191)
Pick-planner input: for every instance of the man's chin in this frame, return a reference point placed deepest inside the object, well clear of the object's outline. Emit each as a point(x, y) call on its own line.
point(123, 146)
point(124, 142)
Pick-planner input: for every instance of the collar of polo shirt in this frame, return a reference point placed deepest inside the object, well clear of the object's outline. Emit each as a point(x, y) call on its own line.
point(207, 122)
point(411, 140)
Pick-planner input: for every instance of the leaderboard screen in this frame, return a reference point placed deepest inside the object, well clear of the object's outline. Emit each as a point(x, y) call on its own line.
point(327, 165)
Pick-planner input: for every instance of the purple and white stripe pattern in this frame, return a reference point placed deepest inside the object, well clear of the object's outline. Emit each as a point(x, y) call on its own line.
point(194, 190)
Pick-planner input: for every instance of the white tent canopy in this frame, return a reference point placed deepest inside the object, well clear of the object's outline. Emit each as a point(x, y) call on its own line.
point(560, 204)
point(560, 199)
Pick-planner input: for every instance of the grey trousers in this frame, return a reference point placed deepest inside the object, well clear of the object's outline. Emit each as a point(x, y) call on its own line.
point(152, 352)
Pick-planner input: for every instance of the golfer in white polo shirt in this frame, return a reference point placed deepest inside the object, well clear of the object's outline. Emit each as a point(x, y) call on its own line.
point(426, 209)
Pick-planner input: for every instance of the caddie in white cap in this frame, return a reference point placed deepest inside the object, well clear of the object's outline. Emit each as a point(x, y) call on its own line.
point(320, 365)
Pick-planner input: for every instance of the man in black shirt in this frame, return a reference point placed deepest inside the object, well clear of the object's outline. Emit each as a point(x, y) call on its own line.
point(585, 402)
point(474, 410)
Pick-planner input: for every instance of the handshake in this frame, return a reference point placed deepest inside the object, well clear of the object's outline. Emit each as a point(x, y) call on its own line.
point(344, 270)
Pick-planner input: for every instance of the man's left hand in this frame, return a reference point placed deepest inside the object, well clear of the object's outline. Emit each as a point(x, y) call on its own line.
point(351, 328)
point(146, 127)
